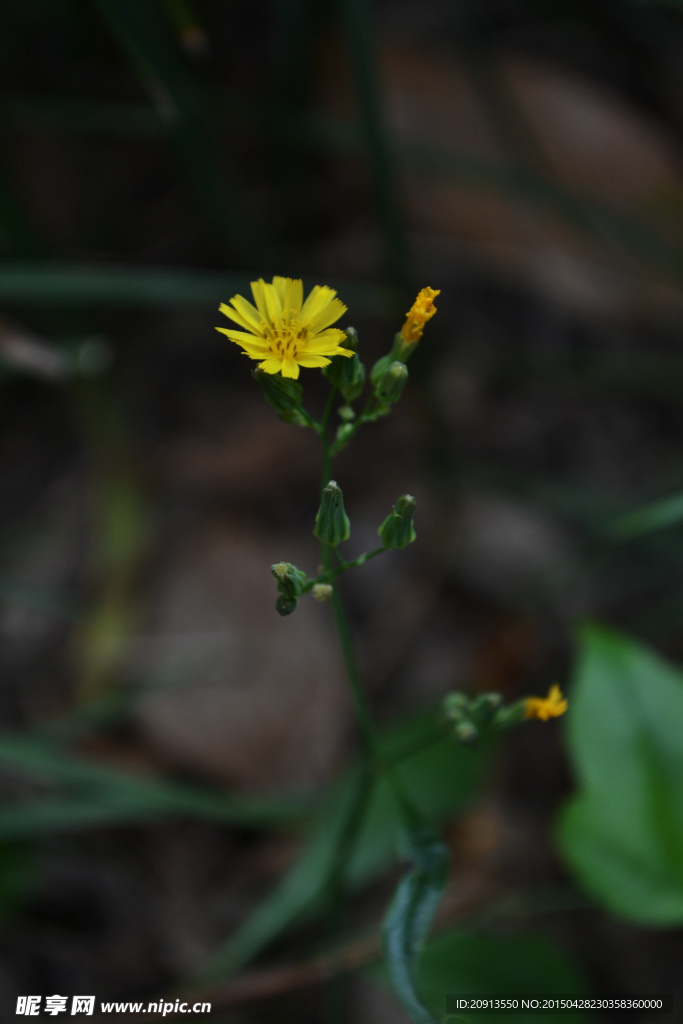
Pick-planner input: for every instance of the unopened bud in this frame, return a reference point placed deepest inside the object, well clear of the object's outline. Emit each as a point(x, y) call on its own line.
point(347, 372)
point(290, 582)
point(466, 732)
point(285, 605)
point(351, 340)
point(390, 385)
point(283, 394)
point(332, 524)
point(346, 413)
point(322, 591)
point(455, 705)
point(397, 530)
point(484, 707)
point(344, 432)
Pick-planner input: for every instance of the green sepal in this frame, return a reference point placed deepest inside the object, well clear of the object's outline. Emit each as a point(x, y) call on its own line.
point(506, 718)
point(397, 530)
point(400, 353)
point(284, 395)
point(332, 524)
point(347, 373)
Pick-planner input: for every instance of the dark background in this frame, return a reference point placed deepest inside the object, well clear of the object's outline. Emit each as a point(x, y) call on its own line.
point(522, 156)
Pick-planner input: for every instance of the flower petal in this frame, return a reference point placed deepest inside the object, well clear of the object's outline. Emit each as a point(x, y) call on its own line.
point(312, 361)
point(319, 298)
point(238, 317)
point(327, 315)
point(242, 338)
point(258, 291)
point(248, 312)
point(271, 365)
point(294, 297)
point(290, 368)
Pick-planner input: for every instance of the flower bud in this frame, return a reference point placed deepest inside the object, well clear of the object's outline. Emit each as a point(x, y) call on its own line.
point(397, 530)
point(351, 340)
point(285, 605)
point(322, 591)
point(344, 432)
point(466, 732)
point(390, 385)
point(283, 394)
point(484, 707)
point(332, 524)
point(347, 373)
point(290, 582)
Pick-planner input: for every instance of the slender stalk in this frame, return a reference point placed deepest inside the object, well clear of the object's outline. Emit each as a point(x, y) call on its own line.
point(363, 716)
point(331, 574)
point(327, 450)
point(368, 415)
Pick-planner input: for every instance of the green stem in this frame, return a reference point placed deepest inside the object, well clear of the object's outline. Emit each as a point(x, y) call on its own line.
point(327, 450)
point(361, 560)
point(365, 723)
point(331, 574)
point(334, 884)
point(367, 416)
point(409, 813)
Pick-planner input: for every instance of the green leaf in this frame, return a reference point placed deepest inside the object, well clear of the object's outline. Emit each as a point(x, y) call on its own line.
point(438, 776)
point(655, 516)
point(623, 833)
point(464, 962)
point(410, 916)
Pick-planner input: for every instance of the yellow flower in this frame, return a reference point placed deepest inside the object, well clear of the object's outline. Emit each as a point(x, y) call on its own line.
point(544, 708)
point(422, 310)
point(282, 330)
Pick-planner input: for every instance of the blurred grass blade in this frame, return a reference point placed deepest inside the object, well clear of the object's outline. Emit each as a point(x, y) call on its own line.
point(357, 16)
point(78, 284)
point(39, 760)
point(410, 915)
point(84, 116)
point(39, 598)
point(58, 284)
point(656, 516)
point(31, 818)
point(148, 41)
point(305, 885)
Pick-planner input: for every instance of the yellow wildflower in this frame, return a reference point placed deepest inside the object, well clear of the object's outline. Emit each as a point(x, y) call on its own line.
point(422, 310)
point(282, 330)
point(544, 708)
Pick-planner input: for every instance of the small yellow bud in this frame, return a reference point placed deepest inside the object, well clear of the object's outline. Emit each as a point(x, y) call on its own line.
point(544, 708)
point(422, 310)
point(322, 591)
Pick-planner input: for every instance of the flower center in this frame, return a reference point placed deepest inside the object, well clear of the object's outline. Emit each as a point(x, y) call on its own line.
point(286, 340)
